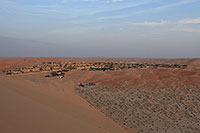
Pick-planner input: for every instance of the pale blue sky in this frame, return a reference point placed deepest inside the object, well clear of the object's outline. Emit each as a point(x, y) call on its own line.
point(105, 28)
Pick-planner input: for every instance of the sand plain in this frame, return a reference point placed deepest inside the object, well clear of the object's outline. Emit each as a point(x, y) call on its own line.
point(35, 104)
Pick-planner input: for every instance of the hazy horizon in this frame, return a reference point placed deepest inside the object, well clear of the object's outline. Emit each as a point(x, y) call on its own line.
point(100, 28)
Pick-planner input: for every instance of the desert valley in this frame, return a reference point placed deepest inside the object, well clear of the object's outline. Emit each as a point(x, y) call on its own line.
point(105, 95)
point(99, 66)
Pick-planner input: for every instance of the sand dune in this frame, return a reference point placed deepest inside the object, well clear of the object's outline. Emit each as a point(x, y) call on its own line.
point(31, 107)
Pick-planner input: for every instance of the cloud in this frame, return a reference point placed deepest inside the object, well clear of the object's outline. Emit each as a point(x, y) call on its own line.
point(150, 23)
point(180, 25)
point(110, 17)
point(6, 4)
point(116, 0)
point(184, 25)
point(130, 9)
point(107, 1)
point(189, 21)
point(184, 21)
point(186, 30)
point(64, 1)
point(175, 4)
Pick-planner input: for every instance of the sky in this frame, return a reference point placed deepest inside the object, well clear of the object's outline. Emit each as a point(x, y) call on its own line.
point(100, 28)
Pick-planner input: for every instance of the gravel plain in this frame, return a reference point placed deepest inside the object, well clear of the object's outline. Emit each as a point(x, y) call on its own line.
point(172, 109)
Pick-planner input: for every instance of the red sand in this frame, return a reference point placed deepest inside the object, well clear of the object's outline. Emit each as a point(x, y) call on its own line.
point(34, 104)
point(29, 106)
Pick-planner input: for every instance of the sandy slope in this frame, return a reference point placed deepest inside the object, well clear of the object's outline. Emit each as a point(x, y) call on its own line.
point(29, 104)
